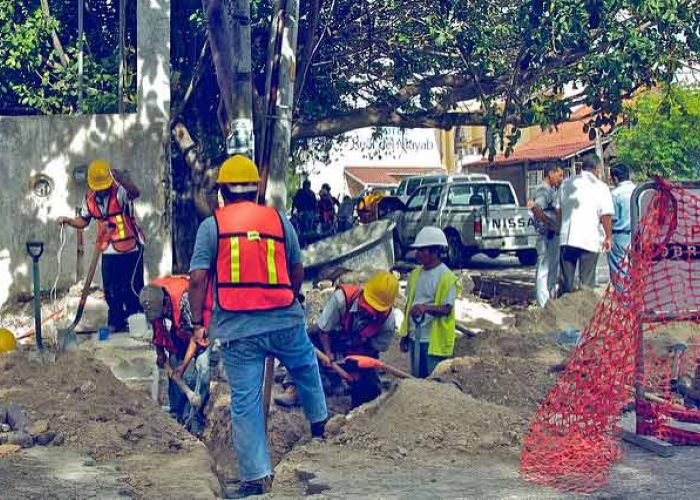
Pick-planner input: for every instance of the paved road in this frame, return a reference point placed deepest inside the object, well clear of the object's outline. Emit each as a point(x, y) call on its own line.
point(509, 267)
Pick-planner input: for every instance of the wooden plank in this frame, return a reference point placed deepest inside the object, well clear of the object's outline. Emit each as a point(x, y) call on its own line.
point(649, 443)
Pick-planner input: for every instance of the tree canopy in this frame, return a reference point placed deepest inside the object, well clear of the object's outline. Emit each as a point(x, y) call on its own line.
point(663, 138)
point(39, 57)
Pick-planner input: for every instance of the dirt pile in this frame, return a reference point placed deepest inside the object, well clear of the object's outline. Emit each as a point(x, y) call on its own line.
point(573, 310)
point(420, 417)
point(286, 429)
point(88, 406)
point(517, 383)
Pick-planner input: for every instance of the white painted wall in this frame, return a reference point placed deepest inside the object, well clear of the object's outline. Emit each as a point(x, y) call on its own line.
point(55, 145)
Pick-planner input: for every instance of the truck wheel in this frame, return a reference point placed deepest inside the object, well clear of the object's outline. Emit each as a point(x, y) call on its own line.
point(527, 257)
point(455, 250)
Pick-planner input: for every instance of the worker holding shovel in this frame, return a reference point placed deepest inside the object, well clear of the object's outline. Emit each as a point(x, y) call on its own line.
point(355, 320)
point(428, 329)
point(167, 298)
point(250, 253)
point(108, 201)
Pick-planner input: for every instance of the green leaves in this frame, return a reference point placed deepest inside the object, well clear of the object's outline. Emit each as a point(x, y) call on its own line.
point(663, 136)
point(38, 82)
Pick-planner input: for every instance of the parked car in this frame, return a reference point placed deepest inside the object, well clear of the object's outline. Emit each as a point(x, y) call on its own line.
point(409, 185)
point(477, 217)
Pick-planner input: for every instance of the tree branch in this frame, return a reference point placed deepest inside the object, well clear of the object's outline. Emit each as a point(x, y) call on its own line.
point(310, 47)
point(203, 175)
point(194, 81)
point(55, 41)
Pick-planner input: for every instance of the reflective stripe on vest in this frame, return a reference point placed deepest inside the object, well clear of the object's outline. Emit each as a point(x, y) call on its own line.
point(352, 294)
point(124, 234)
point(251, 266)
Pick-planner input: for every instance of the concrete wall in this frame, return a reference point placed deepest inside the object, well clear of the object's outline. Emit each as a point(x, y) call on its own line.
point(54, 145)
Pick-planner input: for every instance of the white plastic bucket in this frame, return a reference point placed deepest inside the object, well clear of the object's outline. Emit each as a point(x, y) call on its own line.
point(138, 326)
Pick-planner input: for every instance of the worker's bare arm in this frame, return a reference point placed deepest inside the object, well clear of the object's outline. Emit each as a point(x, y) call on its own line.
point(433, 310)
point(297, 277)
point(122, 177)
point(197, 291)
point(539, 215)
point(76, 222)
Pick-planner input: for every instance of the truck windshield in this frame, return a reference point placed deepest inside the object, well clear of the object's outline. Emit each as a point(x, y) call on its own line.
point(478, 194)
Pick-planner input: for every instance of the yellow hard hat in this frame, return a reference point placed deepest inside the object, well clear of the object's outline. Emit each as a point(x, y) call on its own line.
point(238, 169)
point(8, 342)
point(381, 290)
point(99, 175)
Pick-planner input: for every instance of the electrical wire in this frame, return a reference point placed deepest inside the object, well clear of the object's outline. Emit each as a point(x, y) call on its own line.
point(53, 295)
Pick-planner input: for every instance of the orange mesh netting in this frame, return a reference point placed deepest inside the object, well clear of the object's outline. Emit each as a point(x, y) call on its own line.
point(572, 441)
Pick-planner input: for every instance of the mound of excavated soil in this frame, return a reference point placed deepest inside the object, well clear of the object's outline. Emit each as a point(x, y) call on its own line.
point(95, 412)
point(573, 310)
point(420, 417)
point(286, 429)
point(517, 383)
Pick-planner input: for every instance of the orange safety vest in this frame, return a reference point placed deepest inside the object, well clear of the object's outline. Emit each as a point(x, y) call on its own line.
point(251, 263)
point(124, 233)
point(352, 293)
point(175, 286)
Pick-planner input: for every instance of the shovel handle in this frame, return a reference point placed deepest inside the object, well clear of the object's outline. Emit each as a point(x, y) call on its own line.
point(326, 360)
point(35, 249)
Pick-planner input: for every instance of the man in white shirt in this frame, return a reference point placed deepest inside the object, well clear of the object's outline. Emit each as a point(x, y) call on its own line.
point(584, 208)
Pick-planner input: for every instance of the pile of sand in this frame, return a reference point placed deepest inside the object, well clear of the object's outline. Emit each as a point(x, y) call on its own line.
point(517, 383)
point(420, 417)
point(94, 411)
point(286, 429)
point(573, 310)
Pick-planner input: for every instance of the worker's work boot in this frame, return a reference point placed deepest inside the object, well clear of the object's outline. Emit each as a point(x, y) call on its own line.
point(289, 398)
point(318, 429)
point(249, 488)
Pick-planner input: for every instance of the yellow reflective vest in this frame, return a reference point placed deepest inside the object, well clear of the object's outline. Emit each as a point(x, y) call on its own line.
point(442, 329)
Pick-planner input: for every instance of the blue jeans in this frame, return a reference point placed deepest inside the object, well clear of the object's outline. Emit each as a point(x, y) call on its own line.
point(244, 362)
point(422, 363)
point(620, 243)
point(197, 377)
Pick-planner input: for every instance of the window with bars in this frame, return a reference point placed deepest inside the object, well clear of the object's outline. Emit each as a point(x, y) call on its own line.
point(534, 179)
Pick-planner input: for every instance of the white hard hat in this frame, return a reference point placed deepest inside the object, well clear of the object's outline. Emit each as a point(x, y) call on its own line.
point(430, 236)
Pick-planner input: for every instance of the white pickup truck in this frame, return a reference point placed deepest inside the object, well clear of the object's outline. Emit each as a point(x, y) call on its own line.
point(477, 217)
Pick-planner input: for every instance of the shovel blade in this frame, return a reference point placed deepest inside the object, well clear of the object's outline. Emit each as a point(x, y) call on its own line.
point(67, 340)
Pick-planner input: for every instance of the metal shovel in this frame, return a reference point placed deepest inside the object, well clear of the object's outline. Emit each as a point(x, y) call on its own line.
point(67, 339)
point(35, 249)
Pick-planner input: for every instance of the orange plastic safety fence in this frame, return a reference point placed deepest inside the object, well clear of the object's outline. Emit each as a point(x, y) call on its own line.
point(573, 440)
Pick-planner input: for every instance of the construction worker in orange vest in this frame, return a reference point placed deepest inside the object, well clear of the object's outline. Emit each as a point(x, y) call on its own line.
point(167, 298)
point(251, 254)
point(355, 320)
point(109, 201)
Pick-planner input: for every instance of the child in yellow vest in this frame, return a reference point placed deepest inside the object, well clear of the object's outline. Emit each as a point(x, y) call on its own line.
point(428, 329)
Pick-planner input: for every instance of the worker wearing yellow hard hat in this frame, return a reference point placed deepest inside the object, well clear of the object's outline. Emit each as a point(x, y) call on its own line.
point(108, 200)
point(250, 255)
point(355, 320)
point(8, 343)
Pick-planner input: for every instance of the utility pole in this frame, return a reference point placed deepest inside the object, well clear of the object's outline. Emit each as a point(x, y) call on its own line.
point(279, 101)
point(240, 138)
